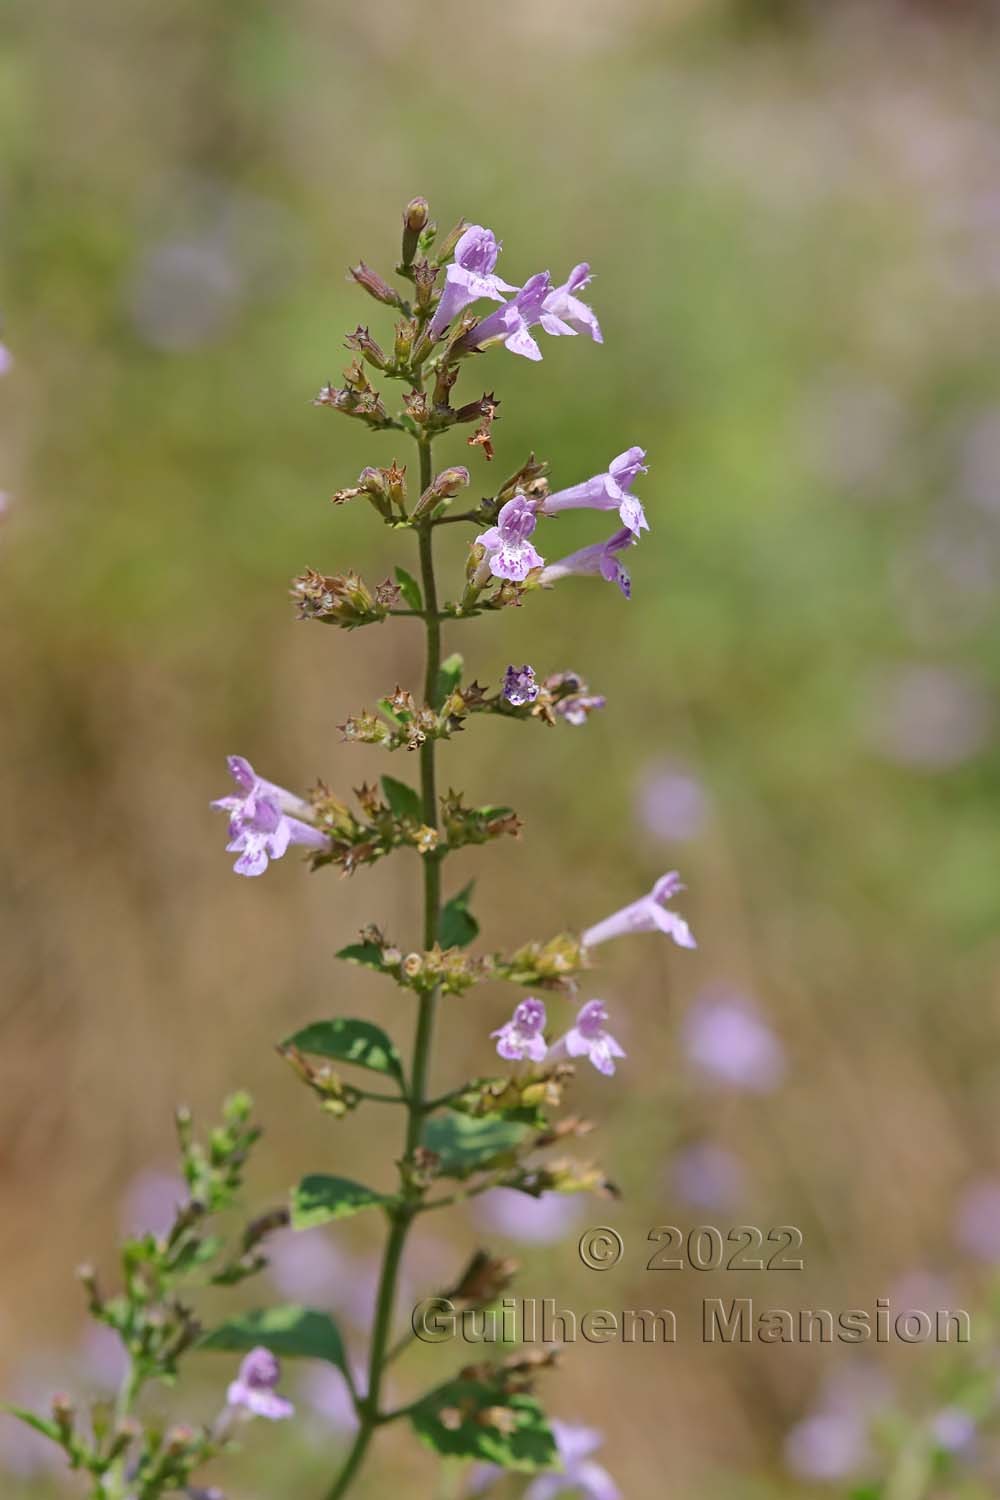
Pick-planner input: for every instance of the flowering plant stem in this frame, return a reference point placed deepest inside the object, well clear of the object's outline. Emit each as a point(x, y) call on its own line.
point(401, 1216)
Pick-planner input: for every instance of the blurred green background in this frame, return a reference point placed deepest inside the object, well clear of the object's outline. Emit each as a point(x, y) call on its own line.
point(793, 216)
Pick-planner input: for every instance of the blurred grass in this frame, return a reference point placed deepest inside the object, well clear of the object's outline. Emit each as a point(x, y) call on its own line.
point(793, 230)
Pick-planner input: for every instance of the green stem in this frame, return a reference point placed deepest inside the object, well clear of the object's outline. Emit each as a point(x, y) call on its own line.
point(402, 1216)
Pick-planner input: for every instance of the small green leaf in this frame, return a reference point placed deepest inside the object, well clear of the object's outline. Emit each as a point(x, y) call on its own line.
point(449, 1421)
point(366, 954)
point(402, 799)
point(40, 1424)
point(319, 1199)
point(458, 927)
point(449, 675)
point(350, 1041)
point(409, 588)
point(467, 1143)
point(291, 1332)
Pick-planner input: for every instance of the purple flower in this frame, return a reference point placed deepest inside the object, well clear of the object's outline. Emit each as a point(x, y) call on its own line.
point(953, 1429)
point(830, 1445)
point(535, 1221)
point(254, 1389)
point(578, 1474)
point(588, 1038)
point(511, 324)
point(306, 1266)
point(6, 360)
point(470, 276)
point(600, 557)
point(263, 821)
point(671, 802)
point(509, 552)
point(578, 710)
point(519, 685)
point(151, 1202)
point(522, 1036)
point(608, 491)
point(707, 1176)
point(726, 1038)
point(563, 308)
point(326, 1392)
point(977, 1222)
point(648, 914)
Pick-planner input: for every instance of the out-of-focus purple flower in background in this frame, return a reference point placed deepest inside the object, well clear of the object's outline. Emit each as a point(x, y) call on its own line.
point(928, 717)
point(953, 1429)
point(979, 461)
point(103, 1359)
point(725, 1037)
point(323, 1392)
point(977, 1220)
point(706, 1175)
point(671, 802)
point(833, 1443)
point(150, 1203)
point(6, 360)
point(533, 1221)
point(307, 1266)
point(212, 252)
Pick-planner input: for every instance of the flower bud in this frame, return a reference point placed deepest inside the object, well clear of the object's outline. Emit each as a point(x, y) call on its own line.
point(416, 217)
point(63, 1415)
point(451, 239)
point(406, 332)
point(374, 284)
point(445, 486)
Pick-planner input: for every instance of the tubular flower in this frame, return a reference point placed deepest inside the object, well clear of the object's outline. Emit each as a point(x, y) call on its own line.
point(649, 914)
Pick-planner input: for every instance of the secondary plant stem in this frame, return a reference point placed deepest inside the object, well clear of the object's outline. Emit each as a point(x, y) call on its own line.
point(401, 1217)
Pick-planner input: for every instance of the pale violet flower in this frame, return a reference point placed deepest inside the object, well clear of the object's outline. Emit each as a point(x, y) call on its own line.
point(6, 360)
point(725, 1037)
point(470, 277)
point(831, 1445)
point(264, 820)
point(577, 710)
point(523, 1035)
point(671, 802)
point(511, 324)
point(255, 1388)
point(600, 558)
point(707, 1176)
point(611, 490)
point(649, 914)
point(533, 1221)
point(953, 1429)
point(578, 1474)
point(510, 553)
point(519, 686)
point(590, 1038)
point(151, 1202)
point(977, 1220)
point(564, 307)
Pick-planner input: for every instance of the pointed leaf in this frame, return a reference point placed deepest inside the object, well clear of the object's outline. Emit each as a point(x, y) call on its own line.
point(403, 800)
point(319, 1199)
point(450, 1420)
point(290, 1332)
point(31, 1419)
point(350, 1041)
point(458, 927)
point(449, 675)
point(467, 1143)
point(409, 588)
point(366, 954)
